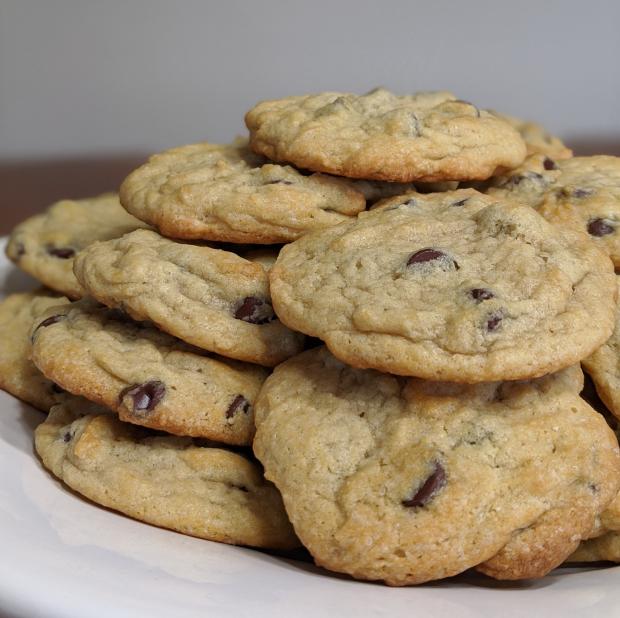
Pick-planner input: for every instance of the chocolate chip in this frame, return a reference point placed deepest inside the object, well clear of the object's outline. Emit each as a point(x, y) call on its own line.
point(20, 250)
point(513, 181)
point(145, 396)
point(280, 182)
point(67, 437)
point(63, 253)
point(429, 255)
point(459, 202)
point(470, 104)
point(239, 404)
point(582, 192)
point(255, 311)
point(593, 487)
point(494, 321)
point(481, 294)
point(550, 164)
point(433, 484)
point(600, 227)
point(53, 319)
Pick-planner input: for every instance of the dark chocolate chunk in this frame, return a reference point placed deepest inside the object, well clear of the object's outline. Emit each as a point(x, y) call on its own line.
point(239, 404)
point(459, 202)
point(53, 319)
point(20, 250)
point(63, 253)
point(280, 182)
point(67, 437)
point(513, 181)
point(550, 164)
point(600, 227)
point(428, 255)
point(579, 192)
point(481, 294)
point(255, 311)
point(494, 321)
point(145, 396)
point(433, 484)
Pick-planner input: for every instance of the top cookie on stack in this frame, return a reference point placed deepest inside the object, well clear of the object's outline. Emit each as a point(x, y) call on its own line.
point(429, 136)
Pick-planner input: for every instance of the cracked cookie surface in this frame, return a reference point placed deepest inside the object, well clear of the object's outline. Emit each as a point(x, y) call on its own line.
point(428, 137)
point(45, 245)
point(146, 376)
point(228, 193)
point(213, 299)
point(18, 374)
point(172, 482)
point(581, 194)
point(404, 480)
point(454, 286)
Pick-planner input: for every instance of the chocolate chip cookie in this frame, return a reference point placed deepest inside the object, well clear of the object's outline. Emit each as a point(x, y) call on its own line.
point(45, 245)
point(537, 139)
point(210, 298)
point(228, 193)
point(404, 480)
point(146, 376)
point(18, 374)
point(429, 136)
point(582, 194)
point(453, 286)
point(603, 365)
point(166, 481)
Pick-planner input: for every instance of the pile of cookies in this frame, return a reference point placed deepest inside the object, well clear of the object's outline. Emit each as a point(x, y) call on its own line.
point(360, 330)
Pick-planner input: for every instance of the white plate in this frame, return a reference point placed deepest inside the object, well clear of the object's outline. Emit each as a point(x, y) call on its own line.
point(61, 556)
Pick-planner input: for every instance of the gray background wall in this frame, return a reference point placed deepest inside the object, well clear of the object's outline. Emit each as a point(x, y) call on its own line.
point(84, 77)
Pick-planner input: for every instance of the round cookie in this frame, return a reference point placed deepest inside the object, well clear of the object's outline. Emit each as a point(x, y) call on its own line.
point(602, 548)
point(146, 376)
point(537, 139)
point(406, 481)
point(428, 137)
point(45, 245)
point(210, 298)
point(228, 193)
point(603, 365)
point(172, 482)
point(18, 374)
point(453, 286)
point(582, 194)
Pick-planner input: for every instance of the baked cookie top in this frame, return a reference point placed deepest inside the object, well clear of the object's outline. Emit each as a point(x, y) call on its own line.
point(166, 481)
point(537, 139)
point(210, 298)
point(582, 193)
point(405, 480)
point(45, 245)
point(228, 193)
point(18, 374)
point(146, 376)
point(429, 136)
point(450, 286)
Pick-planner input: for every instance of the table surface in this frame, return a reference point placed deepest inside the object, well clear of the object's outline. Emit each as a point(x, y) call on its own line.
point(28, 187)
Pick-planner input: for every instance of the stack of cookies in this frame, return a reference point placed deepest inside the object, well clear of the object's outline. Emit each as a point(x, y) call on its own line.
point(359, 330)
